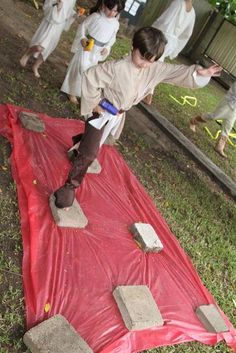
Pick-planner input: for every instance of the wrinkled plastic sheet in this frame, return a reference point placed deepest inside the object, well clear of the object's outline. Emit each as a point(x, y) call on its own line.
point(74, 271)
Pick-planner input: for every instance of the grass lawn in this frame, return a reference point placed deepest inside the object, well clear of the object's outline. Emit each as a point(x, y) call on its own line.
point(201, 216)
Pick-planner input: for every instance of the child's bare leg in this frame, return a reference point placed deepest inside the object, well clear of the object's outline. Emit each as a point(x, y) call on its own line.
point(30, 51)
point(36, 65)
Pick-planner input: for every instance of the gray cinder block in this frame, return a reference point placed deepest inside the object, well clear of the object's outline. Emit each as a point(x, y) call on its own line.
point(73, 217)
point(211, 318)
point(31, 121)
point(55, 335)
point(94, 168)
point(137, 307)
point(146, 237)
point(70, 152)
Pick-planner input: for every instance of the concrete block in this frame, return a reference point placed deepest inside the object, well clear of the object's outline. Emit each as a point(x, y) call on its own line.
point(31, 121)
point(110, 140)
point(211, 318)
point(70, 152)
point(137, 307)
point(73, 217)
point(95, 167)
point(146, 237)
point(55, 335)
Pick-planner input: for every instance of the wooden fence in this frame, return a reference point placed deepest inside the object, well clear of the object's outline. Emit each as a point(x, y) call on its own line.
point(213, 37)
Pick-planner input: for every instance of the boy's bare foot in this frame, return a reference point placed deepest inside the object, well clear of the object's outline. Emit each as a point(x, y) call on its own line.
point(73, 99)
point(148, 99)
point(24, 60)
point(35, 71)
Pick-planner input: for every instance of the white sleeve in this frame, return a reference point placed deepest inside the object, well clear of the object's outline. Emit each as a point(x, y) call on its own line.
point(201, 81)
point(64, 13)
point(81, 33)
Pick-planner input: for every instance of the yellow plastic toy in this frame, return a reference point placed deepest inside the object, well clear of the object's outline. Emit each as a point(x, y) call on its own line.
point(185, 100)
point(90, 44)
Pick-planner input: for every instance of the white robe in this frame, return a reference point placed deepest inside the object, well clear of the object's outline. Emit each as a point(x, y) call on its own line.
point(54, 22)
point(125, 85)
point(226, 111)
point(104, 30)
point(177, 25)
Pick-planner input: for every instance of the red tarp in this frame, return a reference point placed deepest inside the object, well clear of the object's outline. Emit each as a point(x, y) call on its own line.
point(75, 271)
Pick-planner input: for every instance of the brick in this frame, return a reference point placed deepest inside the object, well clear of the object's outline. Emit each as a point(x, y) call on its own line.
point(31, 121)
point(211, 318)
point(73, 217)
point(146, 237)
point(137, 307)
point(55, 335)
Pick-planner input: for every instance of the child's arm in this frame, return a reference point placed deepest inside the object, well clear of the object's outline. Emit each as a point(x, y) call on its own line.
point(188, 76)
point(213, 70)
point(94, 80)
point(80, 37)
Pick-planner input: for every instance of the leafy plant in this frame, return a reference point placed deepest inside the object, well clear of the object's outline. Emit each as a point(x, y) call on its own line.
point(227, 8)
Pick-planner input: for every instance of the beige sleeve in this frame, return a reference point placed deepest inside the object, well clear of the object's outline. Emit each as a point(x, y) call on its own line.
point(180, 75)
point(94, 80)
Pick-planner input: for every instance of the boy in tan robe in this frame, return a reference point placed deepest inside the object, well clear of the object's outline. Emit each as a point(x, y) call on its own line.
point(124, 83)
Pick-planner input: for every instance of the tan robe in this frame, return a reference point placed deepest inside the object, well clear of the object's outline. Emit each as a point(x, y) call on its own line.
point(125, 85)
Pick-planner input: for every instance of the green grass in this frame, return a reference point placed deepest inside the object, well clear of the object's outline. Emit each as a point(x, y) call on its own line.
point(201, 216)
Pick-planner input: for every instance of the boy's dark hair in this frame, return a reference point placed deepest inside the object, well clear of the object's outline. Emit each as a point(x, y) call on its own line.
point(110, 4)
point(150, 42)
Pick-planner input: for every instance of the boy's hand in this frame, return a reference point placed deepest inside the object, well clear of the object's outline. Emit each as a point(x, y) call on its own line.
point(84, 42)
point(213, 70)
point(104, 51)
point(98, 110)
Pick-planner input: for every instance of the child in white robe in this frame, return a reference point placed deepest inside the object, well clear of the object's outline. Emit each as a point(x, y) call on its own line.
point(101, 25)
point(58, 16)
point(124, 83)
point(176, 23)
point(226, 111)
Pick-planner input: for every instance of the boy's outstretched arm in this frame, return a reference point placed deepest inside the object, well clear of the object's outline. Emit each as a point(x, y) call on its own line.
point(213, 70)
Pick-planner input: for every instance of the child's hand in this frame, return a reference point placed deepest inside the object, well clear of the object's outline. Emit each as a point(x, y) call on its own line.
point(104, 51)
point(84, 42)
point(98, 110)
point(213, 70)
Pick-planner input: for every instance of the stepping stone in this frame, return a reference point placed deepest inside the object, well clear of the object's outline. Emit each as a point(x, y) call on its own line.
point(95, 167)
point(55, 335)
point(211, 318)
point(31, 121)
point(70, 152)
point(73, 217)
point(137, 307)
point(110, 140)
point(146, 236)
